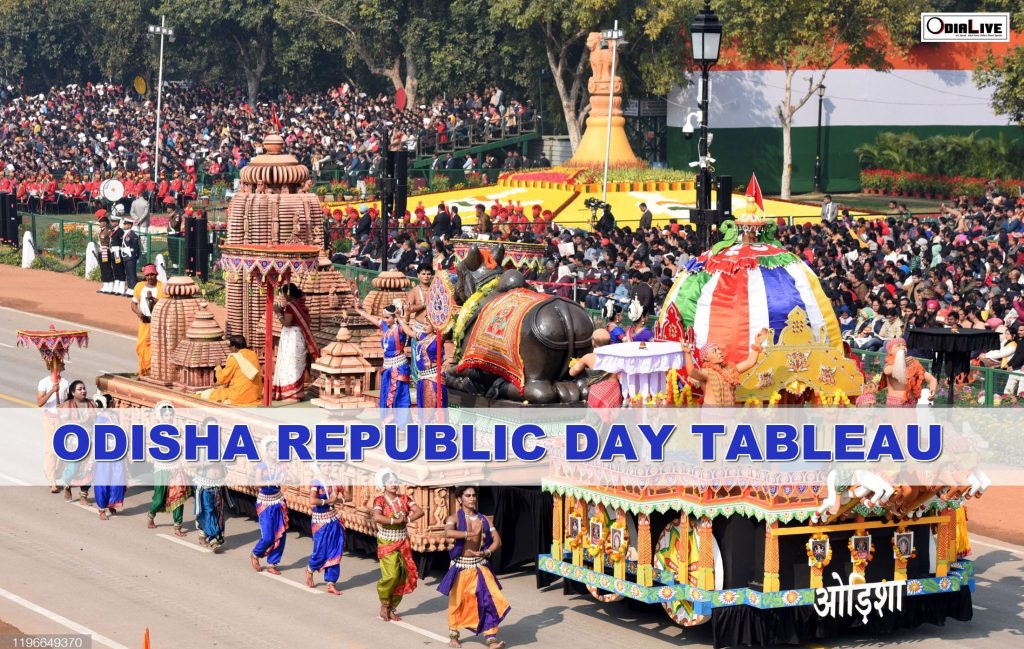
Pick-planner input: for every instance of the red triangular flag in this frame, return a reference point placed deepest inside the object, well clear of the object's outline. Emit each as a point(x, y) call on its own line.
point(754, 192)
point(673, 327)
point(273, 118)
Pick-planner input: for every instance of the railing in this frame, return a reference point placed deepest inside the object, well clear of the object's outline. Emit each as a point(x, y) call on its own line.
point(981, 388)
point(472, 135)
point(67, 237)
point(363, 277)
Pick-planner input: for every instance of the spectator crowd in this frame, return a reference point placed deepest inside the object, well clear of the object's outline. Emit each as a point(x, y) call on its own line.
point(56, 147)
point(957, 267)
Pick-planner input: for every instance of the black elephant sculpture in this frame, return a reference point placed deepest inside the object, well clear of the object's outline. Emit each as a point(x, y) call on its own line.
point(553, 331)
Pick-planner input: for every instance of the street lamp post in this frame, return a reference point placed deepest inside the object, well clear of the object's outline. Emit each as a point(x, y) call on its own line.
point(817, 148)
point(706, 39)
point(163, 30)
point(614, 35)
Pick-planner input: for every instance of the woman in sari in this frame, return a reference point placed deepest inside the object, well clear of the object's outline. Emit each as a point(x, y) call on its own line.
point(109, 476)
point(77, 474)
point(393, 512)
point(394, 376)
point(296, 339)
point(328, 533)
point(271, 510)
point(427, 363)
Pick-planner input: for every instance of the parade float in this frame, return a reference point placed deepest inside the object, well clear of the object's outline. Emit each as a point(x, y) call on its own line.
point(766, 559)
point(274, 236)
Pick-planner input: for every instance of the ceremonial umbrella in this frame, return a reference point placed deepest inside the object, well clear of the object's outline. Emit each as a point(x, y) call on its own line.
point(268, 265)
point(440, 311)
point(53, 345)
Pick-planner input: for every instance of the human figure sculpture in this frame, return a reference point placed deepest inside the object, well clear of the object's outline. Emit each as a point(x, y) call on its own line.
point(600, 65)
point(720, 377)
point(904, 376)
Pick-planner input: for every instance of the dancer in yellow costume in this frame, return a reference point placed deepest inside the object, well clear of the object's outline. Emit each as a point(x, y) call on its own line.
point(239, 380)
point(144, 299)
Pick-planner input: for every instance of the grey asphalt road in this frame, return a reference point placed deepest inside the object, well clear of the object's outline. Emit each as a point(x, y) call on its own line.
point(21, 367)
point(63, 570)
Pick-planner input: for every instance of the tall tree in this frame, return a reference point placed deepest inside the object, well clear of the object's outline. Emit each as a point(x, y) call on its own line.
point(241, 31)
point(1005, 76)
point(385, 35)
point(815, 35)
point(652, 27)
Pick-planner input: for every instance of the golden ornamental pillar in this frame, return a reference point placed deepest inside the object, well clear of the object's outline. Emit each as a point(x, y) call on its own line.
point(644, 569)
point(682, 551)
point(591, 149)
point(557, 535)
point(771, 558)
point(706, 562)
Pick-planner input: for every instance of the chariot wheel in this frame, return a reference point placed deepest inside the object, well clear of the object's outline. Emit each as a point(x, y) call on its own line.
point(668, 552)
point(603, 596)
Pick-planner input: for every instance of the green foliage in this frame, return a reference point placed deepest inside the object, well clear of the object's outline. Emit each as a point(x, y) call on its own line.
point(440, 183)
point(634, 175)
point(1006, 78)
point(212, 291)
point(947, 155)
point(650, 62)
point(10, 255)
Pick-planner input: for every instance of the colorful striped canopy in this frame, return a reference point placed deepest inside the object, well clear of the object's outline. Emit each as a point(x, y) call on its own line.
point(728, 297)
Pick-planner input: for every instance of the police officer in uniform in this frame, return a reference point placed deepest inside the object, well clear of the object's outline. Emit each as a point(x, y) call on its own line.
point(130, 248)
point(116, 240)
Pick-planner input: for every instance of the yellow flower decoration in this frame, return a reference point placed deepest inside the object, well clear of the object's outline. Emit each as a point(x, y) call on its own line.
point(617, 554)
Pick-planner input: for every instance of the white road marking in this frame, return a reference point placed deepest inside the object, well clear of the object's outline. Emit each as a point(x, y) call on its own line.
point(8, 478)
point(422, 632)
point(294, 584)
point(194, 546)
point(91, 510)
point(6, 345)
point(1018, 552)
point(78, 325)
point(979, 608)
point(60, 619)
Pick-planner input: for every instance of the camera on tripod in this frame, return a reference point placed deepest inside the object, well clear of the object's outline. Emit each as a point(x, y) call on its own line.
point(595, 204)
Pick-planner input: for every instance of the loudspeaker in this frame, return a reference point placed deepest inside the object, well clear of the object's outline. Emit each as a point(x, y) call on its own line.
point(202, 251)
point(723, 198)
point(190, 245)
point(9, 220)
point(398, 168)
point(5, 227)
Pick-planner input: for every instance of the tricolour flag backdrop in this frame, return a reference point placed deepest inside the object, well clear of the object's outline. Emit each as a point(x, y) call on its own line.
point(928, 91)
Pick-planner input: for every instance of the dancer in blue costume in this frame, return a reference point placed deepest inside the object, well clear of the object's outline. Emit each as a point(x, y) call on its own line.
point(272, 511)
point(110, 477)
point(475, 600)
point(427, 365)
point(328, 533)
point(210, 506)
point(394, 377)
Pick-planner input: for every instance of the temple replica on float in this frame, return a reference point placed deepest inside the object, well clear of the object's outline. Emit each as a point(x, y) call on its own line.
point(746, 558)
point(275, 235)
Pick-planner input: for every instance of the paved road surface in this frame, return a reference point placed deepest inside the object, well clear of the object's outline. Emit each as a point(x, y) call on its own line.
point(64, 569)
point(21, 368)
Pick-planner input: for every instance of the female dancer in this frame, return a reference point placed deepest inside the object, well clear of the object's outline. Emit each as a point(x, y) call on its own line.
point(272, 511)
point(328, 533)
point(393, 512)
